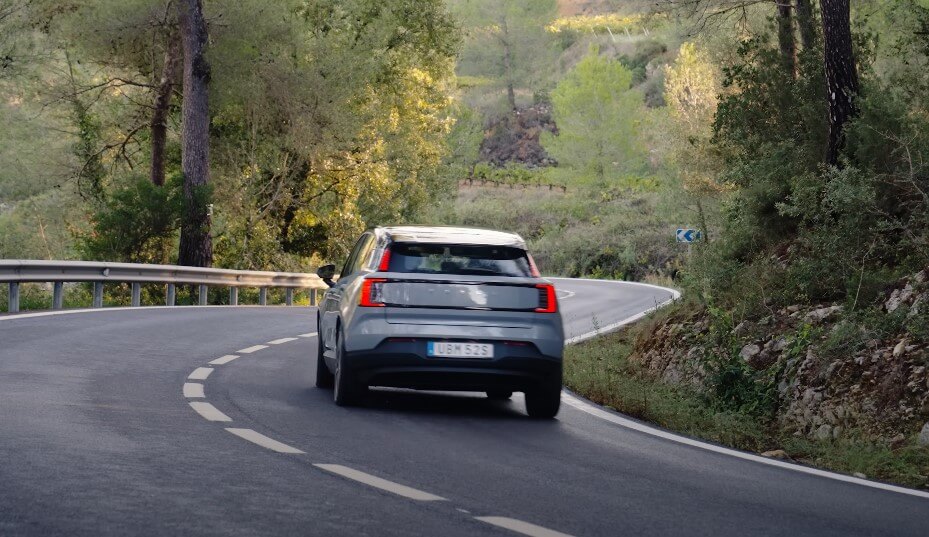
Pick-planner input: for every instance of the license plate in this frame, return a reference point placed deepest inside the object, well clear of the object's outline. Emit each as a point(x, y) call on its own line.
point(452, 349)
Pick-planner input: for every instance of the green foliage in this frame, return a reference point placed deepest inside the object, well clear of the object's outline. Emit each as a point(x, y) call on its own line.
point(614, 233)
point(598, 118)
point(786, 210)
point(506, 43)
point(136, 224)
point(602, 371)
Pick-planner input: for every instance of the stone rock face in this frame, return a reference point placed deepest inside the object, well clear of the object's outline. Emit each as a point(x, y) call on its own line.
point(821, 314)
point(899, 349)
point(898, 297)
point(824, 432)
point(875, 386)
point(923, 438)
point(776, 454)
point(749, 351)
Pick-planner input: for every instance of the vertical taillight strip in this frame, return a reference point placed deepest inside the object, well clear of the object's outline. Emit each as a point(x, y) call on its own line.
point(368, 299)
point(384, 265)
point(550, 303)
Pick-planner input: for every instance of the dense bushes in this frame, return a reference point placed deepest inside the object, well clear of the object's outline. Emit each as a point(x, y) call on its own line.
point(136, 223)
point(797, 231)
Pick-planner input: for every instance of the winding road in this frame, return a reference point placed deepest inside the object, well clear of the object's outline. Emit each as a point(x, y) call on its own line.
point(205, 421)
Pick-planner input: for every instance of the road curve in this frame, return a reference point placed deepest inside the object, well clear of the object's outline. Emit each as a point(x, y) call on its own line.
point(99, 436)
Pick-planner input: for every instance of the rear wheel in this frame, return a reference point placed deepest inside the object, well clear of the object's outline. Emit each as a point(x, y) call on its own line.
point(499, 395)
point(544, 400)
point(324, 377)
point(347, 390)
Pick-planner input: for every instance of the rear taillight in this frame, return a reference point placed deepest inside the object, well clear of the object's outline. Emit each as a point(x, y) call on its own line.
point(385, 260)
point(372, 290)
point(533, 270)
point(548, 303)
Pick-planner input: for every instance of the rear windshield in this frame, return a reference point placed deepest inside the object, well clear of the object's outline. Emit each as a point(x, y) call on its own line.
point(461, 260)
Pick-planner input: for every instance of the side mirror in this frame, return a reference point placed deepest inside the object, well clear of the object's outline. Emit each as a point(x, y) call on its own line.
point(326, 273)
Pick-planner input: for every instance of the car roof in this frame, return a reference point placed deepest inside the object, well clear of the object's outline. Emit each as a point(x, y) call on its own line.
point(453, 235)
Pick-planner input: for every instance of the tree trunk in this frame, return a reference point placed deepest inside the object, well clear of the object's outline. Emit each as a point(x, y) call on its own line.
point(806, 23)
point(162, 105)
point(841, 74)
point(508, 66)
point(196, 248)
point(785, 37)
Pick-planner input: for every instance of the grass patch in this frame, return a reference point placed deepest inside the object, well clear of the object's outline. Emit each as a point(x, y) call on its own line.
point(601, 371)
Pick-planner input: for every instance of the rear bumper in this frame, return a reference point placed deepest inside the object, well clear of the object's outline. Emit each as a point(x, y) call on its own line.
point(404, 364)
point(368, 328)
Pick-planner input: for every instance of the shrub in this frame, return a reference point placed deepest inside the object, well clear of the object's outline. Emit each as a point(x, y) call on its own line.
point(135, 224)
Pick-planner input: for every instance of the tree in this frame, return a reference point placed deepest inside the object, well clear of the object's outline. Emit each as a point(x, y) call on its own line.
point(196, 247)
point(507, 41)
point(159, 123)
point(785, 36)
point(598, 119)
point(806, 23)
point(841, 73)
point(691, 93)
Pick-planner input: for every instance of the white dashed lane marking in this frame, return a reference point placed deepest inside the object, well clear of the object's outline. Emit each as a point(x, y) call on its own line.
point(201, 373)
point(192, 389)
point(253, 348)
point(282, 340)
point(208, 411)
point(263, 441)
point(377, 482)
point(224, 359)
point(519, 526)
point(309, 334)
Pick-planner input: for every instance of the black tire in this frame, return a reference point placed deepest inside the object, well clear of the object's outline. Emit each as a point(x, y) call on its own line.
point(347, 391)
point(324, 378)
point(544, 400)
point(499, 395)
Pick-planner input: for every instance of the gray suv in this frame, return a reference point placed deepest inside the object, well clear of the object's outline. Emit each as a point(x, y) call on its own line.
point(441, 308)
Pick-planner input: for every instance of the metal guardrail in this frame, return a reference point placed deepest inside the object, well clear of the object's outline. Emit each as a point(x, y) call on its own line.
point(15, 272)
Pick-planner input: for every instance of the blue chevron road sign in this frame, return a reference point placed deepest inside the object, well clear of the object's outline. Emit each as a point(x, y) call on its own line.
point(688, 235)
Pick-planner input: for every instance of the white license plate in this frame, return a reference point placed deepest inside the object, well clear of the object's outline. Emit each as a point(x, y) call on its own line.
point(452, 349)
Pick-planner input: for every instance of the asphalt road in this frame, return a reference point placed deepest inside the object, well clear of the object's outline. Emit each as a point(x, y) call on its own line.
point(98, 438)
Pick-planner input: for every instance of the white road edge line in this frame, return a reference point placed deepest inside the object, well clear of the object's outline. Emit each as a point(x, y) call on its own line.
point(519, 526)
point(224, 359)
point(201, 373)
point(253, 348)
point(208, 411)
point(616, 419)
point(308, 334)
point(282, 340)
point(263, 441)
point(193, 390)
point(377, 482)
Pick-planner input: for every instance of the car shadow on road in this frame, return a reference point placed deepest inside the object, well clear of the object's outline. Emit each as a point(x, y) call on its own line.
point(461, 404)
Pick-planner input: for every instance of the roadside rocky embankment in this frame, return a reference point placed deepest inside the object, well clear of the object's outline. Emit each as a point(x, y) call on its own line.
point(830, 372)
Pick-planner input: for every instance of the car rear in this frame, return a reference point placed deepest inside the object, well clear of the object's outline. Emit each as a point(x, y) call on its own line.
point(447, 316)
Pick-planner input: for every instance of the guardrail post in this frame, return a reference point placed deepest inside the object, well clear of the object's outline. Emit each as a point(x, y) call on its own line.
point(202, 294)
point(312, 297)
point(172, 293)
point(263, 296)
point(136, 295)
point(289, 296)
point(233, 296)
point(13, 303)
point(58, 296)
point(98, 295)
